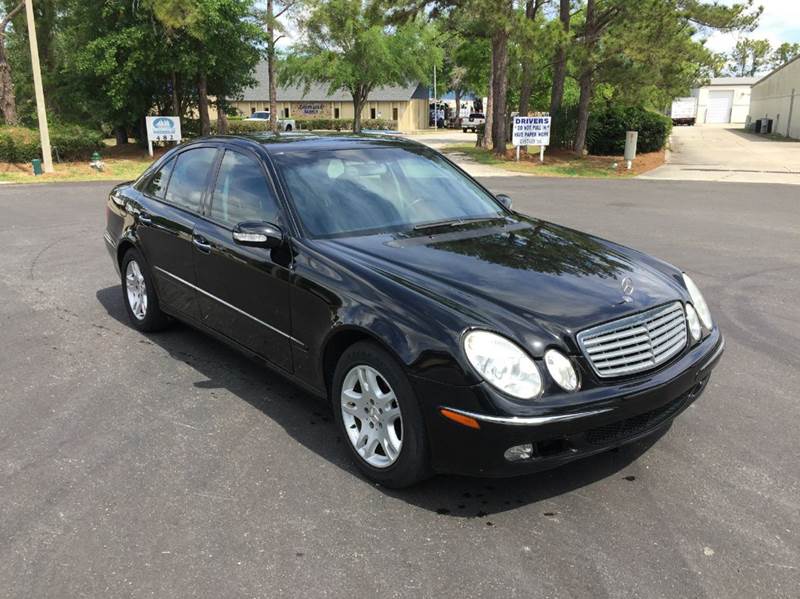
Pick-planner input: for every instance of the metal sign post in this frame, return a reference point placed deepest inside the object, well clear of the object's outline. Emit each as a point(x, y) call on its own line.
point(162, 128)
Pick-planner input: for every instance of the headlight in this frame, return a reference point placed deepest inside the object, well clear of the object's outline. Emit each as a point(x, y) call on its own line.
point(503, 364)
point(699, 303)
point(561, 369)
point(694, 322)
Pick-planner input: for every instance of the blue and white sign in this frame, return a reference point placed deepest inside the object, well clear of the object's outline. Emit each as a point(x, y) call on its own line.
point(531, 131)
point(163, 128)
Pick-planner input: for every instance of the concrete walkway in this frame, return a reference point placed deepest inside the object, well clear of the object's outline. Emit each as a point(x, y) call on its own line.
point(724, 153)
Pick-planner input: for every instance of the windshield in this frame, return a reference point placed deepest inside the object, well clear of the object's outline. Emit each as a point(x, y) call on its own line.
point(374, 190)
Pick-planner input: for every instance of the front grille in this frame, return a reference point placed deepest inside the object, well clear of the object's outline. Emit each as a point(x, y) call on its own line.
point(635, 343)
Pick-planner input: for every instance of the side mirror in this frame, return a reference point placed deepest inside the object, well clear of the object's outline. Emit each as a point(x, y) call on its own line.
point(258, 234)
point(504, 200)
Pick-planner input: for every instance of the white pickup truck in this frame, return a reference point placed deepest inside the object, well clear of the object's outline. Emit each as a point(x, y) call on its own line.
point(472, 122)
point(263, 115)
point(684, 111)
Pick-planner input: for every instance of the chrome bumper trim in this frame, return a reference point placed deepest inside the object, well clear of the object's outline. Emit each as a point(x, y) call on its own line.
point(527, 420)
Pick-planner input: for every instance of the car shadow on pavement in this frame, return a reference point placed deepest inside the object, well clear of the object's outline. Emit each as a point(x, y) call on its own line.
point(309, 421)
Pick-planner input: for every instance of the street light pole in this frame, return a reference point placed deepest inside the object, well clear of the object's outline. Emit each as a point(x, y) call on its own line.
point(44, 132)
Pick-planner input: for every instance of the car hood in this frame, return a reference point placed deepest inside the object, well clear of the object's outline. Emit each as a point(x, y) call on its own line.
point(526, 276)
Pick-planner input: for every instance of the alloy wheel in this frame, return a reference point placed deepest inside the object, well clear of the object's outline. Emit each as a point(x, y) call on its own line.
point(136, 289)
point(372, 416)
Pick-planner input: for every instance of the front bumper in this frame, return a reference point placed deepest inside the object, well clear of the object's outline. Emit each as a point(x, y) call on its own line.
point(589, 422)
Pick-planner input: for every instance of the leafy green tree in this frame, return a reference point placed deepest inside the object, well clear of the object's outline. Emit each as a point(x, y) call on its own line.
point(347, 45)
point(784, 53)
point(750, 56)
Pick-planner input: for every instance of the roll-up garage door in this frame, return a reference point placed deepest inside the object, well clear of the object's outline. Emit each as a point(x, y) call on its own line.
point(719, 107)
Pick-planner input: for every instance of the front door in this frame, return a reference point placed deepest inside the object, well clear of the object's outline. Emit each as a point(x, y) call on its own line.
point(244, 291)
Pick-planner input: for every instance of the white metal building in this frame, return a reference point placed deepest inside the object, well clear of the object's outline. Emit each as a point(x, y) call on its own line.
point(774, 98)
point(724, 100)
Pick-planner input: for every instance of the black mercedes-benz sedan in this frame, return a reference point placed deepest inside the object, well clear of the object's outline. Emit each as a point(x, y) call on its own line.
point(448, 332)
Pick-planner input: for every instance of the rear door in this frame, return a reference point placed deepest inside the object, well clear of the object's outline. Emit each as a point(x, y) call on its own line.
point(244, 290)
point(171, 202)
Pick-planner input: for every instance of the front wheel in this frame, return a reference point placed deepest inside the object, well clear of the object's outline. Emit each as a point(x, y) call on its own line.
point(377, 411)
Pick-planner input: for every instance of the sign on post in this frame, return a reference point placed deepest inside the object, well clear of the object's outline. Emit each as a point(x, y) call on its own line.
point(531, 131)
point(162, 128)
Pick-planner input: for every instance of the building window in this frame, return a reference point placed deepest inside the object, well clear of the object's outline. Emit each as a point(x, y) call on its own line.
point(286, 112)
point(336, 113)
point(394, 113)
point(372, 113)
point(252, 109)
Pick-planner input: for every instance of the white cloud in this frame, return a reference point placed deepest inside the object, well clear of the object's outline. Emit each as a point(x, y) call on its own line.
point(780, 22)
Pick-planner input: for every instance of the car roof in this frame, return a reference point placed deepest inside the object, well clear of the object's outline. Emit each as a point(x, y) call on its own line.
point(304, 141)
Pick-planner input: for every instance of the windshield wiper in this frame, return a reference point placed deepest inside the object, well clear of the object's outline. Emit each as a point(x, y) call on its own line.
point(454, 222)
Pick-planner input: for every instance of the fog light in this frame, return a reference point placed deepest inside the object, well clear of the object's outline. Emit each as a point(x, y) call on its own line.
point(694, 322)
point(519, 452)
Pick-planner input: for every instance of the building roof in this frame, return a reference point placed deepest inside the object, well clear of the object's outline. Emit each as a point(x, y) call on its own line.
point(319, 92)
point(771, 73)
point(733, 81)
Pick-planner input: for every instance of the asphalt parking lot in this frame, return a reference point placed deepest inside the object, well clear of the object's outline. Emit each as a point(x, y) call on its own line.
point(169, 466)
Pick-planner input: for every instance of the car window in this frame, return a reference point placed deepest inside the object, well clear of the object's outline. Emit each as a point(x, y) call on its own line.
point(190, 178)
point(372, 190)
point(241, 192)
point(157, 184)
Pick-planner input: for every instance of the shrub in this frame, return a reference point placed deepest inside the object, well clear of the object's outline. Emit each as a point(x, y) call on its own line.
point(69, 142)
point(607, 130)
point(323, 124)
point(191, 127)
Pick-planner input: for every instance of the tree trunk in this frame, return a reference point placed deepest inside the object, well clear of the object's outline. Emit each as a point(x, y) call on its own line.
point(486, 142)
point(222, 119)
point(526, 88)
point(560, 61)
point(176, 104)
point(8, 98)
point(202, 104)
point(500, 86)
point(8, 101)
point(359, 97)
point(458, 107)
point(585, 79)
point(121, 134)
point(273, 85)
point(531, 8)
point(585, 83)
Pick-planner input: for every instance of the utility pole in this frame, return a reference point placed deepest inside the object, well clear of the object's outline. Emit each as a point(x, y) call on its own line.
point(44, 132)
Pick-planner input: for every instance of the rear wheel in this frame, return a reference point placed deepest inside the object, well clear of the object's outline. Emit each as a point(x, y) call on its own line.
point(139, 295)
point(377, 411)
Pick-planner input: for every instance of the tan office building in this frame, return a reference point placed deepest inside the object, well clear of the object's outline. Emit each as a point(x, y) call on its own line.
point(406, 105)
point(776, 97)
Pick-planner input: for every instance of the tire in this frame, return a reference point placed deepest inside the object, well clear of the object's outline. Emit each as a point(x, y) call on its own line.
point(145, 315)
point(411, 463)
point(288, 127)
point(464, 130)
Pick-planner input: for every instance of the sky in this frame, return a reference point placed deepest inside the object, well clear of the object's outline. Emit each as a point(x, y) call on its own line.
point(780, 22)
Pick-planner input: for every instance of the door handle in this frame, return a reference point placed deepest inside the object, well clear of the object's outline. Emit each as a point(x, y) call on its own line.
point(201, 243)
point(145, 219)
